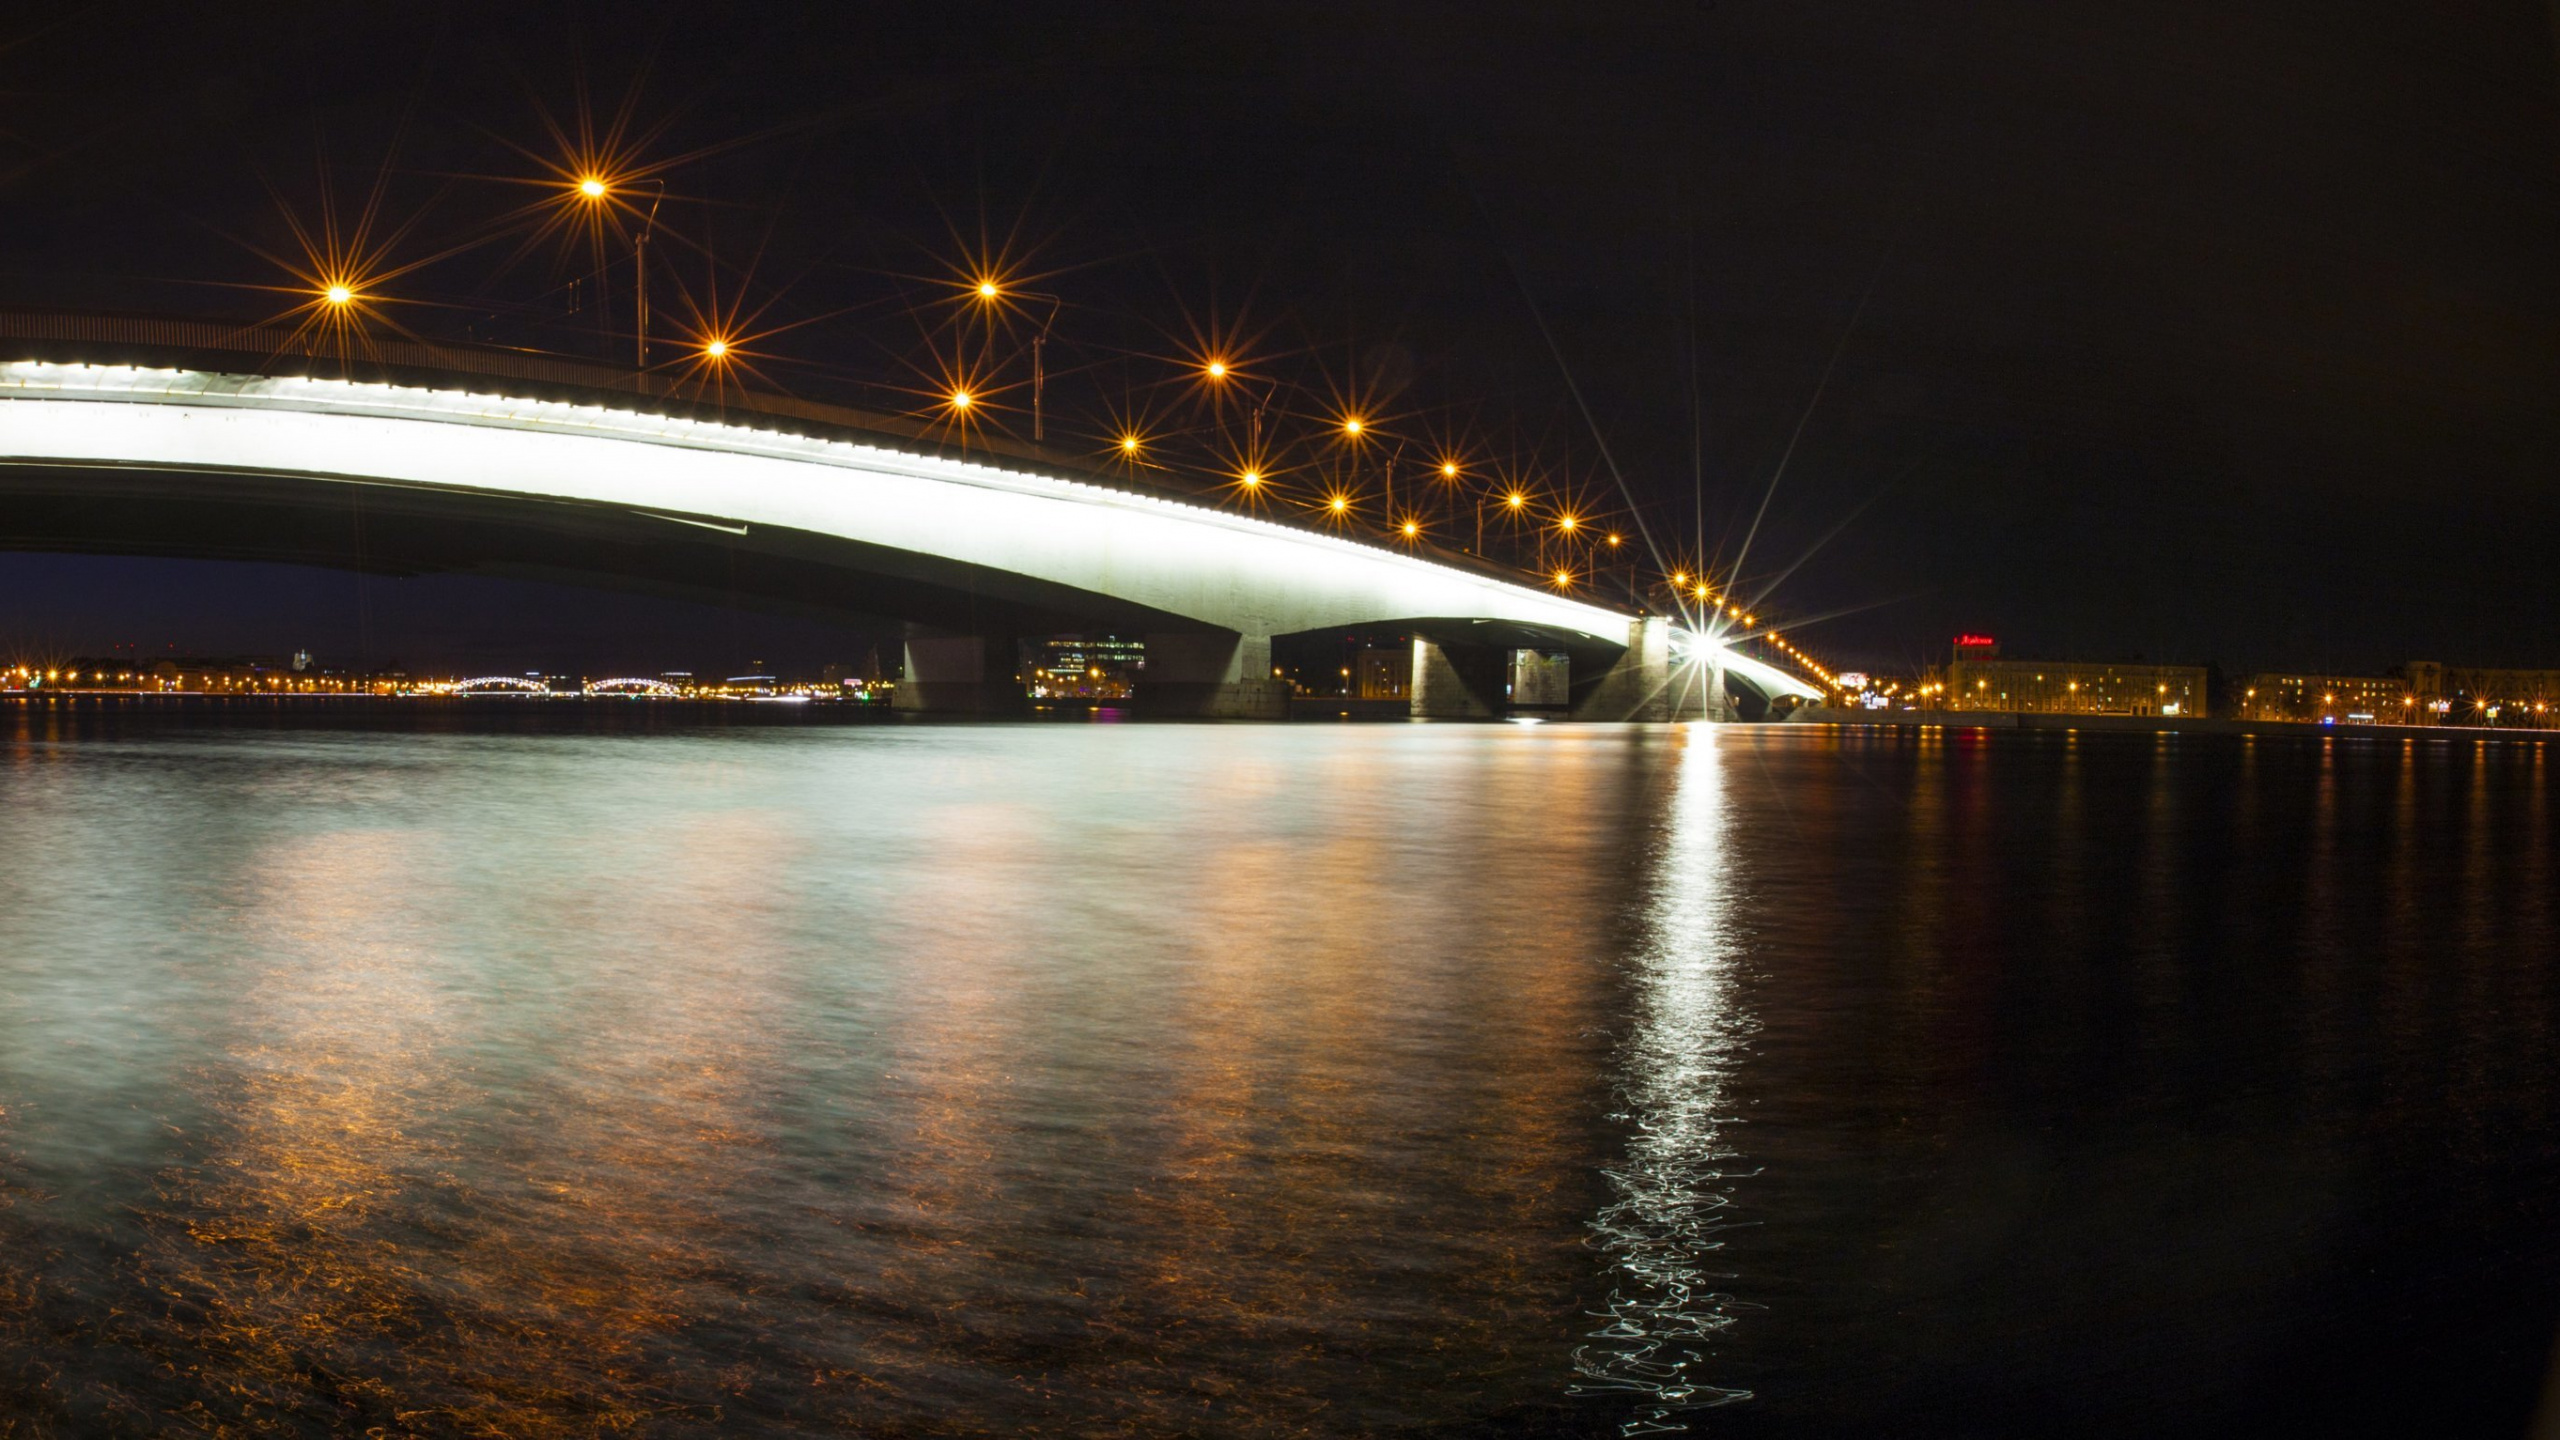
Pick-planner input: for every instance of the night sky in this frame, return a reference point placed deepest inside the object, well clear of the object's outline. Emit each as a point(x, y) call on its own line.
point(2223, 332)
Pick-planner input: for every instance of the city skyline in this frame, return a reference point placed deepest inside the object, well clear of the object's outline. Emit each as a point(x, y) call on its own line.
point(2014, 432)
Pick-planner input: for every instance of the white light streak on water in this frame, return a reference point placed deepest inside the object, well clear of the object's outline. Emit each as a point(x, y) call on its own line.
point(1664, 1228)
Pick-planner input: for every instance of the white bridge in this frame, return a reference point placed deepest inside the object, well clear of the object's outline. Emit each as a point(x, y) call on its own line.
point(403, 479)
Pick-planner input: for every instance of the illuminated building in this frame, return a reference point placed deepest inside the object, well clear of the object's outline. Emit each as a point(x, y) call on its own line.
point(1098, 667)
point(2331, 699)
point(1382, 674)
point(2423, 692)
point(1979, 679)
point(2474, 694)
point(201, 675)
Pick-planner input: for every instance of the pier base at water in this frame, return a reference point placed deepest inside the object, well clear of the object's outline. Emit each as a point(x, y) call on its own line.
point(1647, 682)
point(1210, 675)
point(1458, 682)
point(975, 675)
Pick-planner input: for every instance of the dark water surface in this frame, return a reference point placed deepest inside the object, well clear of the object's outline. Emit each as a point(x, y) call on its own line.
point(1118, 1080)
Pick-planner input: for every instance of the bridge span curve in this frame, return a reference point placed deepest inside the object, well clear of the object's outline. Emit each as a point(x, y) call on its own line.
point(410, 478)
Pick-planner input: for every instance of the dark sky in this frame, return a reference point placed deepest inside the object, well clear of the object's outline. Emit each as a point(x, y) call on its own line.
point(2212, 332)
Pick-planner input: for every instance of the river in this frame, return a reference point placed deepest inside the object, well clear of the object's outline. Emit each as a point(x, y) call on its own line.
point(668, 1076)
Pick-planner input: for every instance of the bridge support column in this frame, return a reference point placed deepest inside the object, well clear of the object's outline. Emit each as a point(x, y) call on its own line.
point(1458, 682)
point(1541, 681)
point(1211, 675)
point(1644, 683)
point(963, 675)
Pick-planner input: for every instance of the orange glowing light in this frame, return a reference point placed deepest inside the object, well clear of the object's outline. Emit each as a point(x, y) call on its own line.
point(1216, 369)
point(1338, 504)
point(1411, 529)
point(1250, 479)
point(1515, 499)
point(1448, 469)
point(1351, 426)
point(592, 187)
point(1566, 523)
point(1564, 578)
point(960, 400)
point(717, 349)
point(988, 290)
point(338, 294)
point(1128, 444)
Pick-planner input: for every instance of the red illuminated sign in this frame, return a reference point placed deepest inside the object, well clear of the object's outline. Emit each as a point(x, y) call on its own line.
point(1973, 640)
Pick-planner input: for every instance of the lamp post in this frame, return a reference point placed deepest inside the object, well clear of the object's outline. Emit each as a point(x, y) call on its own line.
point(991, 291)
point(1219, 372)
point(640, 268)
point(1039, 375)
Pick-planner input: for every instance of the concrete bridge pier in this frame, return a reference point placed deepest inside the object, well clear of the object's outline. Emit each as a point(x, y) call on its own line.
point(963, 675)
point(1644, 682)
point(1541, 681)
point(1458, 682)
point(1210, 675)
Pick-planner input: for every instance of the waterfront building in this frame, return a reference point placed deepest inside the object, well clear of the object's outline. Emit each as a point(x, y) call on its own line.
point(1095, 667)
point(1978, 678)
point(2328, 699)
point(1382, 674)
point(2423, 692)
point(193, 674)
point(2475, 694)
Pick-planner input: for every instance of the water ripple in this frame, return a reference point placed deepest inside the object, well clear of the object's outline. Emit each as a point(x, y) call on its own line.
point(1672, 1070)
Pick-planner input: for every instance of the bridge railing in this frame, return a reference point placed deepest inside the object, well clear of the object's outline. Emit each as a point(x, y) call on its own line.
point(219, 346)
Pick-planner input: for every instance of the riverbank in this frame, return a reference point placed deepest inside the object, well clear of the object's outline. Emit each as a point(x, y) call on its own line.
point(2154, 724)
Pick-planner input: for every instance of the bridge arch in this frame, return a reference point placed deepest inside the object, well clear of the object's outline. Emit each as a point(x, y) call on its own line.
point(164, 460)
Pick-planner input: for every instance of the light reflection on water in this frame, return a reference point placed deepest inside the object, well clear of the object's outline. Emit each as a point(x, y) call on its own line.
point(916, 1081)
point(941, 1081)
point(1684, 1040)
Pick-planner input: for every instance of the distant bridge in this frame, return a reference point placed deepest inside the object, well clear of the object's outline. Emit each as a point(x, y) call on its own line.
point(418, 473)
point(631, 685)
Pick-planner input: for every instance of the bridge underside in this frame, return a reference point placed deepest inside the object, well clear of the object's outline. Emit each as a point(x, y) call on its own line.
point(960, 618)
point(393, 529)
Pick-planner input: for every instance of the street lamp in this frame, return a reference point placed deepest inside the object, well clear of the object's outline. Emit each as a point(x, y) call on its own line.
point(990, 291)
point(1512, 501)
point(640, 270)
point(1218, 370)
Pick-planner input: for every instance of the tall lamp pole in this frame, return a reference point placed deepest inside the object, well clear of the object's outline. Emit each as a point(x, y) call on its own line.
point(640, 273)
point(1039, 375)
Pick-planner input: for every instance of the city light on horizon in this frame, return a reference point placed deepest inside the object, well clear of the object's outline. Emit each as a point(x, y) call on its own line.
point(844, 720)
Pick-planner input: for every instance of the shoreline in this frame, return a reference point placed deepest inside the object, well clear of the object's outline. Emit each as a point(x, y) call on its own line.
point(2156, 725)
